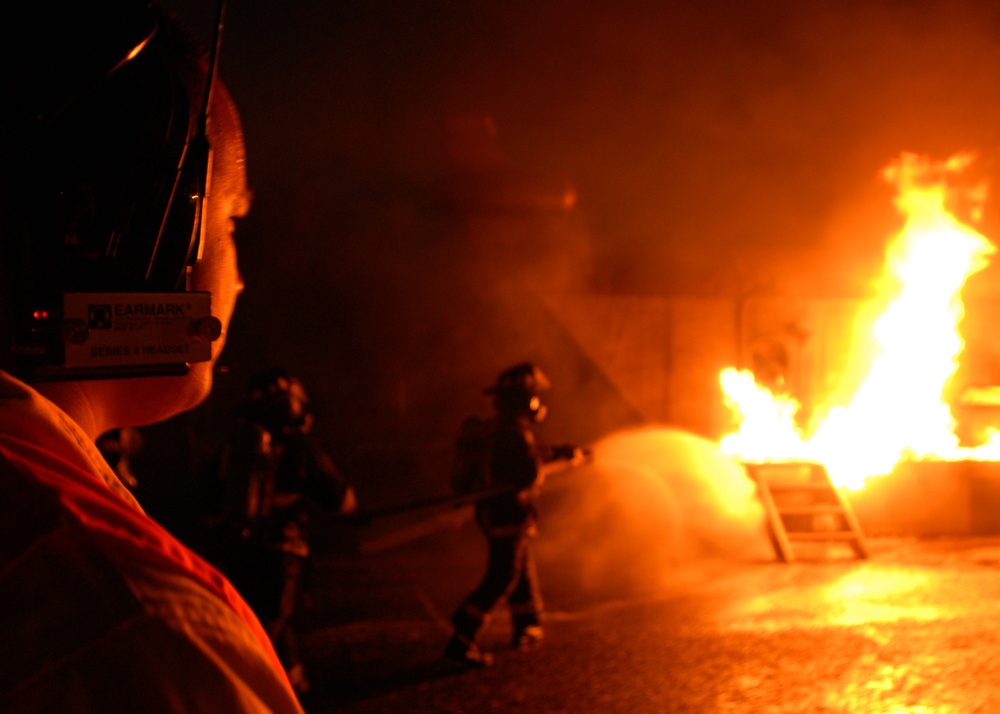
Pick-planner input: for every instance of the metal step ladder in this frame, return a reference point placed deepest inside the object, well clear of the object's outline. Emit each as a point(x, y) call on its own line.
point(803, 505)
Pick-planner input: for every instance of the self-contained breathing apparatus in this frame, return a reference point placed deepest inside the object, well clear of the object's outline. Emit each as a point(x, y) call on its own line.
point(106, 165)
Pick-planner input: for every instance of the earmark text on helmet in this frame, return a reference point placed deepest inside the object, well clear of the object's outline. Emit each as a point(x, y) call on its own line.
point(150, 310)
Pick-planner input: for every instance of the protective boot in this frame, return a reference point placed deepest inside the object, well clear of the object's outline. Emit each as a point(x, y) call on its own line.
point(467, 652)
point(528, 637)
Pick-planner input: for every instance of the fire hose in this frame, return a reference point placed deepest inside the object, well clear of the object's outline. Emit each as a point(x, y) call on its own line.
point(449, 503)
point(573, 457)
point(452, 501)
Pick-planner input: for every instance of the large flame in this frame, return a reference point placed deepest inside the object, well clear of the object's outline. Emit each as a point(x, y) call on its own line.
point(898, 412)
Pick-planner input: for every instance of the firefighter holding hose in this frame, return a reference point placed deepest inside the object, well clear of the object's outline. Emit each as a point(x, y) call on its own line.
point(505, 457)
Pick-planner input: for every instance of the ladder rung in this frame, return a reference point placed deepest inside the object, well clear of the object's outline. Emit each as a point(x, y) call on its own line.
point(822, 535)
point(804, 486)
point(816, 509)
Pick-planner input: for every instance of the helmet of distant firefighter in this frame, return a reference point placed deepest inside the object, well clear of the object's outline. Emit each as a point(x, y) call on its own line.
point(518, 390)
point(277, 400)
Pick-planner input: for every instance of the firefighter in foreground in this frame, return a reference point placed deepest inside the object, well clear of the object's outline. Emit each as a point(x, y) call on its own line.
point(122, 173)
point(505, 457)
point(272, 471)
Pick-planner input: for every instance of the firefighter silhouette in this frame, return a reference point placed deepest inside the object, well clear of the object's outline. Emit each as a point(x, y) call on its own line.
point(770, 361)
point(118, 447)
point(271, 469)
point(512, 464)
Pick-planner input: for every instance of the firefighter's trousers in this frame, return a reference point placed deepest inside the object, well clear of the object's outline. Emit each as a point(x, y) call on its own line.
point(510, 574)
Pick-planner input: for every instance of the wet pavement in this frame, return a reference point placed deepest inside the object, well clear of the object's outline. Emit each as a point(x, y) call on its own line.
point(912, 629)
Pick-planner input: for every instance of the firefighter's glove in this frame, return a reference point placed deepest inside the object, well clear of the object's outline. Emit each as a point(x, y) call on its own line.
point(573, 454)
point(581, 456)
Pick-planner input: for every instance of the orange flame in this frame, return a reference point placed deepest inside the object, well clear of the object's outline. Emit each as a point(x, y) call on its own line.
point(898, 412)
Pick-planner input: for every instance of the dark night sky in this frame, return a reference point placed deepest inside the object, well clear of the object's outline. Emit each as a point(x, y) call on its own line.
point(711, 146)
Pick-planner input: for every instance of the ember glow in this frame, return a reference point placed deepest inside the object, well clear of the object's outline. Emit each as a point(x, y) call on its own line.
point(898, 411)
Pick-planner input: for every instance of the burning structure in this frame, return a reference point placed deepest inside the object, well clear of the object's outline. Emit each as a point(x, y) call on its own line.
point(893, 408)
point(881, 390)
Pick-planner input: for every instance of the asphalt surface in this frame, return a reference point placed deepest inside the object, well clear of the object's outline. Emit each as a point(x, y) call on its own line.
point(911, 629)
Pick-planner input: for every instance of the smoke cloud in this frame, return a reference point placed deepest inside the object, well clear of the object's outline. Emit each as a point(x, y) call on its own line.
point(655, 506)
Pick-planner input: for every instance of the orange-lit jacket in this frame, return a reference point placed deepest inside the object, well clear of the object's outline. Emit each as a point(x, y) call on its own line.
point(101, 609)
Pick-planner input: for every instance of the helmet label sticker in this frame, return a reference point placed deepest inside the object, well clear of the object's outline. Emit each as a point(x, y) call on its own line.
point(117, 329)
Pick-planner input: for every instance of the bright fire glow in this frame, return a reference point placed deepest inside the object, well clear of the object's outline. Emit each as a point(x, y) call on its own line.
point(898, 412)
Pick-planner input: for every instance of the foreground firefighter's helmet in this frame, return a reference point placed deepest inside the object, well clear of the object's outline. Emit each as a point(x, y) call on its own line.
point(518, 389)
point(104, 166)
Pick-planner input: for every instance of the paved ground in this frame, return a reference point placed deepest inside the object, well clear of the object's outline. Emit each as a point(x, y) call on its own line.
point(912, 629)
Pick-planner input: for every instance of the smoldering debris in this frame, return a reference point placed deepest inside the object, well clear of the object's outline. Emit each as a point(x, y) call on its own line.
point(655, 506)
